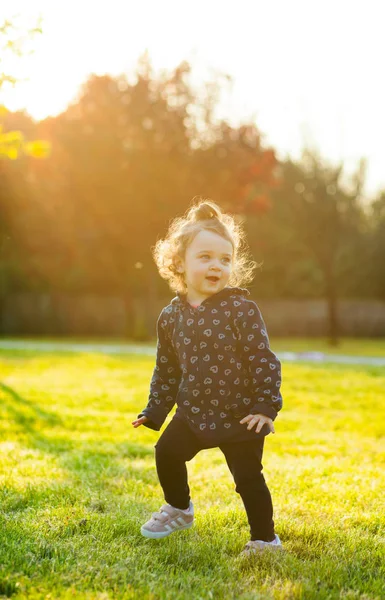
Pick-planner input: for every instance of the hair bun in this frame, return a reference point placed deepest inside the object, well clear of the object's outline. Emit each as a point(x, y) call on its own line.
point(205, 211)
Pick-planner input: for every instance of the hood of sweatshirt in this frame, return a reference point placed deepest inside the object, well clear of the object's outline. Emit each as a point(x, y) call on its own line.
point(181, 299)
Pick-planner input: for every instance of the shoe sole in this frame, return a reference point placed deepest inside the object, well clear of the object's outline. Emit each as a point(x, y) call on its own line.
point(156, 535)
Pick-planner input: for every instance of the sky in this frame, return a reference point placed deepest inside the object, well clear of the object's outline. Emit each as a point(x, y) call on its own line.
point(307, 72)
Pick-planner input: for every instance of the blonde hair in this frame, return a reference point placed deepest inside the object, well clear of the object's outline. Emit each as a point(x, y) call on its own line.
point(203, 215)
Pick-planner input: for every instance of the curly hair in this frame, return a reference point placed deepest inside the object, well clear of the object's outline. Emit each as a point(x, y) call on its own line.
point(202, 215)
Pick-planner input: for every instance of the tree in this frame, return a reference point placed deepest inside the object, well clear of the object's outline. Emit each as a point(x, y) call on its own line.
point(324, 214)
point(377, 245)
point(120, 162)
point(235, 169)
point(13, 142)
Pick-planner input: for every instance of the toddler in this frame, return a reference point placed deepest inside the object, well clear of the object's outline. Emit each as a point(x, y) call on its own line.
point(215, 363)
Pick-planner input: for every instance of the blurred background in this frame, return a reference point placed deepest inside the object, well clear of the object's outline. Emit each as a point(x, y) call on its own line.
point(114, 116)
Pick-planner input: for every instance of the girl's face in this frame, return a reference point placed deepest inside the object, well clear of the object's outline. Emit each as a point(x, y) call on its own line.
point(207, 265)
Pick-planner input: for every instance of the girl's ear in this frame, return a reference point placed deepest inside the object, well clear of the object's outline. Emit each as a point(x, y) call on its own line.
point(179, 267)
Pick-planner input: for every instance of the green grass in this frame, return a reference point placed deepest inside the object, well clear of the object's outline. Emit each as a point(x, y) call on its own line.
point(347, 346)
point(77, 481)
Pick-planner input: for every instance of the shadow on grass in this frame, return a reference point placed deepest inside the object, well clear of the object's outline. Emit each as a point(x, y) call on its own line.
point(89, 464)
point(32, 412)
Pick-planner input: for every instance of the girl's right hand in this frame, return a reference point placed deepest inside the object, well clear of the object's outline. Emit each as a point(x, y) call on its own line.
point(140, 421)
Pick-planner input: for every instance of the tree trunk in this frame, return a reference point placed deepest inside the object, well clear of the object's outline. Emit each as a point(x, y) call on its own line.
point(3, 282)
point(331, 298)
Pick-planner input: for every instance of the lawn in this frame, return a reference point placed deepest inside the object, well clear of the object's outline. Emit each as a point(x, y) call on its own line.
point(77, 481)
point(347, 346)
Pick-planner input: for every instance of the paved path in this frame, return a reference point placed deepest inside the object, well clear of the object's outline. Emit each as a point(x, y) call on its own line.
point(149, 350)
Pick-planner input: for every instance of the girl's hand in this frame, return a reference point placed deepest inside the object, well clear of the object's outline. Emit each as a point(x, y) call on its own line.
point(139, 421)
point(260, 419)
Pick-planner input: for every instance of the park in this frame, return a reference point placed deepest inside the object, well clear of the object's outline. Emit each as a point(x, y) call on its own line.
point(86, 190)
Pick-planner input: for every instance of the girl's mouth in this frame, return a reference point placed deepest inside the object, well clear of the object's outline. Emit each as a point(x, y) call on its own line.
point(213, 278)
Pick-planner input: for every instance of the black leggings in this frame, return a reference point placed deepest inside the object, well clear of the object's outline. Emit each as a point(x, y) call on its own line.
point(178, 444)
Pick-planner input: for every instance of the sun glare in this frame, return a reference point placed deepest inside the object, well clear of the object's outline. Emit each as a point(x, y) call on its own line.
point(298, 88)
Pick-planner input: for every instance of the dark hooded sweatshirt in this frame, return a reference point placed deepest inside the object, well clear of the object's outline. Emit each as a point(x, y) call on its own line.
point(215, 363)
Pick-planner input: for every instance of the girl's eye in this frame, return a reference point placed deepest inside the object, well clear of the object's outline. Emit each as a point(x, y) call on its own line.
point(227, 260)
point(205, 256)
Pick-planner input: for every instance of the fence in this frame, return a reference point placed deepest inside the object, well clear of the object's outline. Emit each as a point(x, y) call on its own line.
point(91, 315)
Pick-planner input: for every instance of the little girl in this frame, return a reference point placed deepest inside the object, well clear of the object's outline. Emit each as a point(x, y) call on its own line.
point(215, 363)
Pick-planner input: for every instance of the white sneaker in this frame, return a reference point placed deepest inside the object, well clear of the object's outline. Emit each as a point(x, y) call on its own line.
point(258, 545)
point(168, 520)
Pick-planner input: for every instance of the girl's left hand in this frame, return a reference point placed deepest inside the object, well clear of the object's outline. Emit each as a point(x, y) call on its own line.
point(260, 419)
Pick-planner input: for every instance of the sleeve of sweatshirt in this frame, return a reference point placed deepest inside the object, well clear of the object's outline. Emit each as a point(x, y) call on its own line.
point(263, 365)
point(165, 379)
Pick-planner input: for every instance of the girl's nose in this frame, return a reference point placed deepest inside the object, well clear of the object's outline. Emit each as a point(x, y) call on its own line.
point(215, 266)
